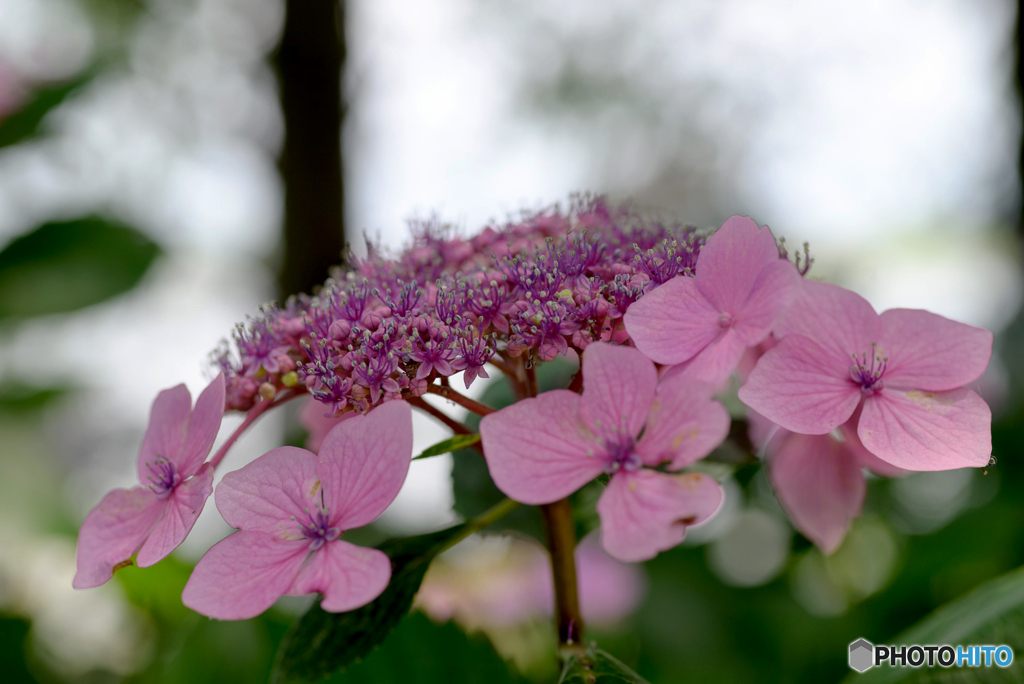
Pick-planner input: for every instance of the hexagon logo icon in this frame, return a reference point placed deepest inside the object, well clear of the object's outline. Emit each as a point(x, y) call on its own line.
point(862, 655)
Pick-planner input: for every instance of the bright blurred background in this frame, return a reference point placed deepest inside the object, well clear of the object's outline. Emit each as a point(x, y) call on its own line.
point(150, 200)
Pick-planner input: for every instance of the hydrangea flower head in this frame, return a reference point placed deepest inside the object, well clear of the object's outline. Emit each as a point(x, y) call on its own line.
point(154, 518)
point(542, 449)
point(905, 371)
point(708, 320)
point(292, 507)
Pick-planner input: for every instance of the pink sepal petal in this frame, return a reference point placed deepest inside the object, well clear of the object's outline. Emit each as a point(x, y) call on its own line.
point(715, 363)
point(645, 512)
point(729, 264)
point(165, 434)
point(865, 458)
point(184, 504)
point(242, 575)
point(672, 323)
point(348, 576)
point(363, 463)
point(927, 351)
point(928, 430)
point(202, 428)
point(113, 532)
point(311, 417)
point(265, 494)
point(839, 320)
point(772, 293)
point(797, 385)
point(820, 485)
point(618, 389)
point(538, 450)
point(685, 424)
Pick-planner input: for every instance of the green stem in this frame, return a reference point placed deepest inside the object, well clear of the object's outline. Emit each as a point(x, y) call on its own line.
point(561, 533)
point(488, 517)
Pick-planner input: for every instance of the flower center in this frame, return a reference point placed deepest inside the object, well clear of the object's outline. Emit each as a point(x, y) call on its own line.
point(867, 370)
point(162, 476)
point(318, 530)
point(621, 455)
point(724, 320)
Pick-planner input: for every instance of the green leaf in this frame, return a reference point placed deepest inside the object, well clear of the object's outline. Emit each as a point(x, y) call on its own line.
point(25, 122)
point(17, 397)
point(991, 614)
point(422, 652)
point(323, 643)
point(453, 444)
point(597, 667)
point(66, 266)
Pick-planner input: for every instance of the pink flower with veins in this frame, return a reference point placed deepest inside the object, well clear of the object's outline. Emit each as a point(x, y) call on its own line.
point(292, 506)
point(543, 449)
point(905, 370)
point(317, 423)
point(152, 520)
point(818, 479)
point(706, 322)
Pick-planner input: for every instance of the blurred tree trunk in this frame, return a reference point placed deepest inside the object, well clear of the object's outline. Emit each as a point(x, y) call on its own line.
point(309, 64)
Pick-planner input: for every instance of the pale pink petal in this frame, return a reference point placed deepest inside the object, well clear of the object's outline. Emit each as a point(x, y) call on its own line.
point(801, 386)
point(716, 362)
point(839, 320)
point(311, 417)
point(265, 494)
point(618, 389)
point(184, 504)
point(609, 590)
point(645, 512)
point(243, 575)
point(165, 434)
point(731, 261)
point(927, 430)
point(927, 351)
point(363, 463)
point(348, 576)
point(685, 424)
point(538, 450)
point(865, 458)
point(819, 483)
point(772, 293)
point(673, 322)
point(202, 427)
point(113, 532)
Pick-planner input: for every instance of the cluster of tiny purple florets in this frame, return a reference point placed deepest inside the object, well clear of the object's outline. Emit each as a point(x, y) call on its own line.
point(385, 328)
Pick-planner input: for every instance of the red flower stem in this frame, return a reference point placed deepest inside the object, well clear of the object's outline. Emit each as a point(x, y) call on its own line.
point(255, 412)
point(561, 534)
point(460, 399)
point(505, 367)
point(453, 425)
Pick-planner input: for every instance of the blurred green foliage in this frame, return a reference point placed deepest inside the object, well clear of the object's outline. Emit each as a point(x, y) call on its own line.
point(27, 122)
point(598, 667)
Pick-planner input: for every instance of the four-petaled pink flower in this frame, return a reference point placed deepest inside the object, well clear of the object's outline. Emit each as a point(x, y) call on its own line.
point(905, 369)
point(292, 507)
point(740, 289)
point(542, 449)
point(152, 520)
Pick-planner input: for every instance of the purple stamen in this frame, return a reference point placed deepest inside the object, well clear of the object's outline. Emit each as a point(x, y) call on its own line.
point(621, 456)
point(163, 477)
point(869, 377)
point(318, 530)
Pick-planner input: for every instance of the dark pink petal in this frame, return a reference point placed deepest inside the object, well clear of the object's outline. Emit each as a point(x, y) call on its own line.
point(927, 430)
point(348, 576)
point(800, 386)
point(685, 424)
point(165, 435)
point(202, 428)
point(363, 463)
point(645, 512)
point(819, 483)
point(538, 450)
point(731, 261)
point(618, 389)
point(113, 532)
point(927, 351)
point(716, 362)
point(266, 494)
point(772, 293)
point(672, 323)
point(242, 575)
point(841, 321)
point(184, 504)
